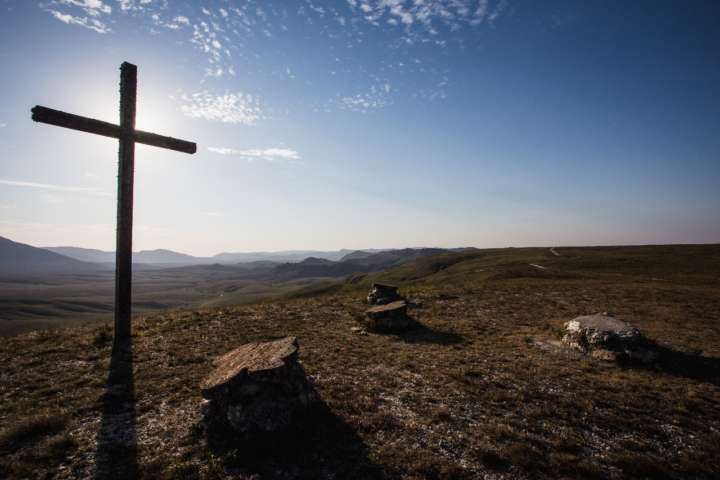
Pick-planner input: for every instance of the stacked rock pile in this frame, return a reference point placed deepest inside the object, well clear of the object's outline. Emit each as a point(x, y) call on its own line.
point(388, 311)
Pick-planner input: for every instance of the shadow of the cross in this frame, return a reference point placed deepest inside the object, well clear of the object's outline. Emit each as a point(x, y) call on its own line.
point(116, 455)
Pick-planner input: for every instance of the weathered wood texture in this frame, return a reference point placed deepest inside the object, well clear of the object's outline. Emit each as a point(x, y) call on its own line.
point(106, 129)
point(126, 173)
point(161, 141)
point(74, 122)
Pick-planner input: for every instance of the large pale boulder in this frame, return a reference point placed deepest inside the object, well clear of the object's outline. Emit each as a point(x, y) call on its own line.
point(604, 336)
point(258, 387)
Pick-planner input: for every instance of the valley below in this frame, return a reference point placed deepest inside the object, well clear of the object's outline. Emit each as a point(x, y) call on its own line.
point(57, 301)
point(44, 288)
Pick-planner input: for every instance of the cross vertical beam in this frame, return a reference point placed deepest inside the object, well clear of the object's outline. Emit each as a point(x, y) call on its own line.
point(126, 173)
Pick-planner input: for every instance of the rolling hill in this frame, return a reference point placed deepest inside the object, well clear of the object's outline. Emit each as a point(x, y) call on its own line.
point(84, 254)
point(356, 262)
point(21, 259)
point(158, 257)
point(357, 254)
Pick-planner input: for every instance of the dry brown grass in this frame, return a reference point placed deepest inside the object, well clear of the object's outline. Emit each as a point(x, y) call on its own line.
point(465, 396)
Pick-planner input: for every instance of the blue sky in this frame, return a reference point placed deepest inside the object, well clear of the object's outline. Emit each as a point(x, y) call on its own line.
point(367, 123)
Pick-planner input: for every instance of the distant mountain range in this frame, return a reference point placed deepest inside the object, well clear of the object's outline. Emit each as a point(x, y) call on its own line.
point(283, 256)
point(169, 258)
point(17, 259)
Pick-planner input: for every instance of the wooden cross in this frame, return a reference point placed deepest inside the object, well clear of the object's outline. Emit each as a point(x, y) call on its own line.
point(127, 135)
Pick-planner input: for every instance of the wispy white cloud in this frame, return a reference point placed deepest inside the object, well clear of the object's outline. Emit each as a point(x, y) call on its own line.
point(91, 7)
point(210, 35)
point(90, 23)
point(267, 154)
point(225, 37)
point(3, 125)
point(438, 91)
point(213, 214)
point(228, 107)
point(56, 188)
point(84, 13)
point(205, 36)
point(428, 16)
point(133, 4)
point(175, 24)
point(378, 96)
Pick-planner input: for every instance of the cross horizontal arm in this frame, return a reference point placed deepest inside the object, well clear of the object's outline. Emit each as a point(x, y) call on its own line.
point(161, 141)
point(75, 122)
point(106, 129)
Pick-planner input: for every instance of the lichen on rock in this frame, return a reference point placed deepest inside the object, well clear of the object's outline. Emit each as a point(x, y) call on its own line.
point(605, 337)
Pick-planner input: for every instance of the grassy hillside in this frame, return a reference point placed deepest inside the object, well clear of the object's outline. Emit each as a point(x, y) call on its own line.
point(465, 396)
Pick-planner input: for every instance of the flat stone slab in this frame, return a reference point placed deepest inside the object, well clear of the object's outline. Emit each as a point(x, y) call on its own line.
point(249, 359)
point(257, 387)
point(601, 322)
point(388, 307)
point(389, 317)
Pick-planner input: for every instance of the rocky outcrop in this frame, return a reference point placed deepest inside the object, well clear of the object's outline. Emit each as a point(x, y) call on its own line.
point(382, 294)
point(604, 336)
point(258, 387)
